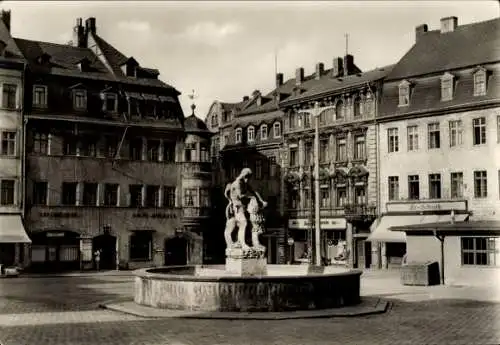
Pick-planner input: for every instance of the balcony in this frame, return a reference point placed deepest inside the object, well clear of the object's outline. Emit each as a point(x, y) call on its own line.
point(360, 212)
point(324, 212)
point(197, 169)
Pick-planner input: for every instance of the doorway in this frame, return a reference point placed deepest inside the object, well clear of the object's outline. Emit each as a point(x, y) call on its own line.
point(106, 243)
point(176, 251)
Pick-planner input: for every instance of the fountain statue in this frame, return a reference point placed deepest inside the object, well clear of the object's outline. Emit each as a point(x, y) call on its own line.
point(244, 211)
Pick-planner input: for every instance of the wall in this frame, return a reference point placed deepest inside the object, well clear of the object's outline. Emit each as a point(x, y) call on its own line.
point(422, 249)
point(466, 158)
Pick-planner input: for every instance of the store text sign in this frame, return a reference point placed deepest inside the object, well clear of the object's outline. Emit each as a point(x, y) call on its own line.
point(411, 206)
point(326, 223)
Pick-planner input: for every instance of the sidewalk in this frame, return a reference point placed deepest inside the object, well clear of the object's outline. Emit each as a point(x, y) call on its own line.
point(110, 273)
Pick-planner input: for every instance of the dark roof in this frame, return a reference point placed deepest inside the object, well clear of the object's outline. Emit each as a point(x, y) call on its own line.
point(268, 100)
point(467, 45)
point(116, 58)
point(194, 124)
point(230, 106)
point(257, 119)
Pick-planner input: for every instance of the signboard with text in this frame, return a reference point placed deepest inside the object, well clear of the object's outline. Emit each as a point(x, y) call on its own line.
point(421, 206)
point(326, 223)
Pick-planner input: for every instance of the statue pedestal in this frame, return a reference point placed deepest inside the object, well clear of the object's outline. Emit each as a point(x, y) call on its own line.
point(246, 263)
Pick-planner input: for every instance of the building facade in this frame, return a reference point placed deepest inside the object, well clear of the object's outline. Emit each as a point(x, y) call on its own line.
point(111, 163)
point(439, 135)
point(347, 155)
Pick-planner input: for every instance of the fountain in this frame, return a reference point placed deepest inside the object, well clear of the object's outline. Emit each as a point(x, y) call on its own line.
point(246, 283)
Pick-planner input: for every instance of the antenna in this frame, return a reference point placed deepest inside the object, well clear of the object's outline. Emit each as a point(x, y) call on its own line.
point(346, 44)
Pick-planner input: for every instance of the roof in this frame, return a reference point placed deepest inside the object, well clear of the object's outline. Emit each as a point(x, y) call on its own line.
point(257, 119)
point(467, 45)
point(194, 124)
point(476, 225)
point(230, 106)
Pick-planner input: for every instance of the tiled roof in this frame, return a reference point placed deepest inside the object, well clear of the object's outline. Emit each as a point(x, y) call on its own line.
point(194, 124)
point(115, 57)
point(268, 102)
point(257, 119)
point(230, 106)
point(467, 45)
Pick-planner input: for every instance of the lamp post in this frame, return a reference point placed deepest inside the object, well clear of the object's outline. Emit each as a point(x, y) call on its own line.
point(316, 112)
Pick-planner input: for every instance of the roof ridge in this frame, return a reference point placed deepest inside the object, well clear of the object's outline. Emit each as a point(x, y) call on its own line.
point(51, 43)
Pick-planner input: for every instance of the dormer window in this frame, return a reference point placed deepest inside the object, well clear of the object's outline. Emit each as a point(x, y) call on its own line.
point(83, 65)
point(404, 93)
point(277, 130)
point(250, 134)
point(80, 99)
point(238, 135)
point(110, 102)
point(447, 87)
point(39, 96)
point(263, 132)
point(44, 59)
point(480, 82)
point(129, 68)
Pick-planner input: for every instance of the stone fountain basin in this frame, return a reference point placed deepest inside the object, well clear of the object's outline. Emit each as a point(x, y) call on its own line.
point(210, 288)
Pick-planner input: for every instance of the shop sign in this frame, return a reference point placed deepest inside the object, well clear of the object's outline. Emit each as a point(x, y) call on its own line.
point(55, 234)
point(154, 215)
point(60, 214)
point(326, 223)
point(411, 206)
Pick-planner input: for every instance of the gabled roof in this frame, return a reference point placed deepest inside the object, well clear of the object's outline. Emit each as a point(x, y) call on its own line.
point(467, 45)
point(268, 102)
point(115, 58)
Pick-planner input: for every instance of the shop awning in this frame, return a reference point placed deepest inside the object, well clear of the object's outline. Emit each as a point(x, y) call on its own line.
point(381, 228)
point(12, 230)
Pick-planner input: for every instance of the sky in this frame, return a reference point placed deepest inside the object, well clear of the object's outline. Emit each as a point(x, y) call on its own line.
point(225, 50)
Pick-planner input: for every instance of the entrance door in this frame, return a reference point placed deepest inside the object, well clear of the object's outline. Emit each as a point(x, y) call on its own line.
point(176, 251)
point(107, 245)
point(368, 254)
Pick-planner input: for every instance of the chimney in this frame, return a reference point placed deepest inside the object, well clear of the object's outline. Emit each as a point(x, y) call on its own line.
point(245, 98)
point(338, 67)
point(279, 79)
point(299, 76)
point(420, 30)
point(348, 64)
point(320, 68)
point(5, 15)
point(448, 24)
point(90, 25)
point(79, 38)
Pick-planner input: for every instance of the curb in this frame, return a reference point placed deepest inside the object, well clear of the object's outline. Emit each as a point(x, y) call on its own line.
point(381, 306)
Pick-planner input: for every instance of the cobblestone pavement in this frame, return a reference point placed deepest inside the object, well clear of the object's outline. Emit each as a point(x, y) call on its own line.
point(63, 311)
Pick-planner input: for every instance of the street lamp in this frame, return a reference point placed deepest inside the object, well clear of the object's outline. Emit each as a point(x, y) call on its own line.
point(316, 112)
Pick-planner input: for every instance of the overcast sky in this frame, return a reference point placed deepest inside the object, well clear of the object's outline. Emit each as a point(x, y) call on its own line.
point(225, 50)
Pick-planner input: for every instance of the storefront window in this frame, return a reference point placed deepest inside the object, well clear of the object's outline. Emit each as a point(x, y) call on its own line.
point(141, 246)
point(480, 251)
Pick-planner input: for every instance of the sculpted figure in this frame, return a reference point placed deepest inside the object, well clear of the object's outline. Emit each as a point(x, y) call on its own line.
point(240, 195)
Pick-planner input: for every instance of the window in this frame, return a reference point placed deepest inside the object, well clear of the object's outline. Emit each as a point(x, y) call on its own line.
point(294, 199)
point(70, 146)
point(153, 150)
point(479, 128)
point(89, 194)
point(135, 191)
point(111, 194)
point(135, 149)
point(359, 147)
point(190, 152)
point(273, 171)
point(226, 140)
point(40, 143)
point(168, 151)
point(306, 120)
point(190, 197)
point(110, 146)
point(168, 196)
point(40, 193)
point(238, 135)
point(214, 120)
point(392, 140)
point(7, 192)
point(481, 251)
point(435, 186)
point(88, 147)
point(251, 133)
point(263, 132)
point(292, 121)
point(434, 137)
point(205, 197)
point(110, 102)
point(309, 154)
point(80, 99)
point(404, 94)
point(480, 83)
point(293, 157)
point(258, 169)
point(204, 154)
point(323, 151)
point(357, 107)
point(480, 184)
point(39, 96)
point(412, 138)
point(9, 93)
point(152, 196)
point(341, 196)
point(393, 187)
point(456, 131)
point(8, 143)
point(359, 195)
point(447, 87)
point(341, 150)
point(457, 185)
point(141, 246)
point(413, 187)
point(325, 198)
point(339, 110)
point(69, 193)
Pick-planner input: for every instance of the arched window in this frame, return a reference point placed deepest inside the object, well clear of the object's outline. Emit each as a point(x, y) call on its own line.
point(358, 111)
point(251, 133)
point(277, 130)
point(237, 136)
point(263, 132)
point(339, 110)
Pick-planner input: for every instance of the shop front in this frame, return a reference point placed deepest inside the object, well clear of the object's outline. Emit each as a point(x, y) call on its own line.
point(389, 248)
point(13, 240)
point(55, 250)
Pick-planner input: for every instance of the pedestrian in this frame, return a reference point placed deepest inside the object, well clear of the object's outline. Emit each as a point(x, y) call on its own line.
point(97, 255)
